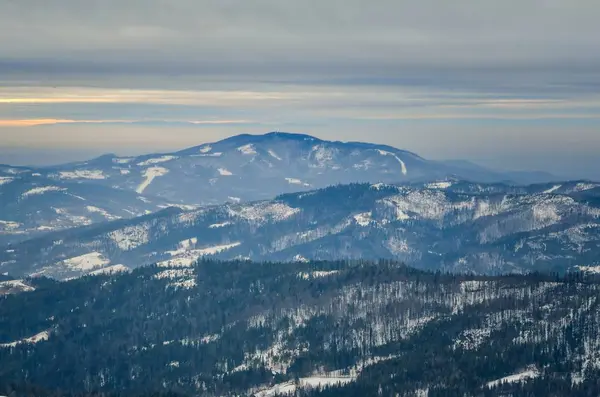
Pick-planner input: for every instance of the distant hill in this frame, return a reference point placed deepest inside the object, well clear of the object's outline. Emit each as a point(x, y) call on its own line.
point(241, 168)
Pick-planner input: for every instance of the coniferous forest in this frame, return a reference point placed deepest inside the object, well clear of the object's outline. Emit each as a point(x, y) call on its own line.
point(345, 328)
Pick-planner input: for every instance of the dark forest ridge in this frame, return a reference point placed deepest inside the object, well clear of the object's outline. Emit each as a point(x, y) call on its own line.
point(257, 329)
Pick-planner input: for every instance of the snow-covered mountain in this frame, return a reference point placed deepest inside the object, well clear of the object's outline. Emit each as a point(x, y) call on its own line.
point(448, 225)
point(254, 167)
point(238, 169)
point(32, 204)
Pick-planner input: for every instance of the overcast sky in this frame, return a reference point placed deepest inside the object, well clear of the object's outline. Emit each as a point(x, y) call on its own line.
point(514, 84)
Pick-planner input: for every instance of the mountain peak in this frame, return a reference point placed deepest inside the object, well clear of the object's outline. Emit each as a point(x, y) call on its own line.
point(257, 138)
point(290, 136)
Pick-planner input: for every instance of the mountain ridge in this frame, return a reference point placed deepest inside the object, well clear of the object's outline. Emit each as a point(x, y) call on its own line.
point(240, 168)
point(445, 225)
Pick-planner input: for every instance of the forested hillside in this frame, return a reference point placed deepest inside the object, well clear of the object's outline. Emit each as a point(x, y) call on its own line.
point(317, 328)
point(447, 225)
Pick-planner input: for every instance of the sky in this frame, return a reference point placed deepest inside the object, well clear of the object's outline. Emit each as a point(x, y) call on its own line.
point(511, 84)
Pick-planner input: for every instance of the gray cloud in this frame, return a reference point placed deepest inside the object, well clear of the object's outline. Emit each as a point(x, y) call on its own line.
point(309, 39)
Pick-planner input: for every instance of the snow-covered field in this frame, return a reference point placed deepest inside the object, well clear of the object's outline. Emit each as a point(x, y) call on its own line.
point(86, 262)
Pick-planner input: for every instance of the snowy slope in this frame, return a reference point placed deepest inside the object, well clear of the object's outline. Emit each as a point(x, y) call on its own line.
point(448, 225)
point(31, 205)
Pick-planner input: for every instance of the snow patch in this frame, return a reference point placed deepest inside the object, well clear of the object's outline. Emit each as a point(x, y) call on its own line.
point(184, 246)
point(219, 225)
point(123, 160)
point(224, 172)
point(114, 269)
point(363, 219)
point(16, 284)
point(313, 382)
point(150, 174)
point(124, 172)
point(274, 155)
point(402, 164)
point(85, 262)
point(589, 269)
point(42, 336)
point(100, 211)
point(316, 274)
point(260, 212)
point(552, 189)
point(247, 149)
point(322, 155)
point(205, 149)
point(157, 160)
point(530, 373)
point(9, 225)
point(130, 237)
point(439, 185)
point(397, 246)
point(182, 278)
point(5, 179)
point(82, 174)
point(42, 190)
point(186, 258)
point(380, 186)
point(300, 258)
point(294, 181)
point(173, 274)
point(581, 187)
